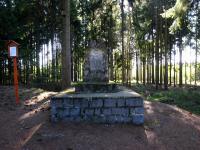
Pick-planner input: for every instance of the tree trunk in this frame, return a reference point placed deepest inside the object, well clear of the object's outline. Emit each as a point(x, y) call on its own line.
point(166, 57)
point(144, 71)
point(53, 58)
point(137, 68)
point(174, 66)
point(190, 65)
point(195, 69)
point(185, 73)
point(170, 57)
point(153, 56)
point(122, 35)
point(180, 63)
point(66, 51)
point(38, 59)
point(157, 50)
point(161, 51)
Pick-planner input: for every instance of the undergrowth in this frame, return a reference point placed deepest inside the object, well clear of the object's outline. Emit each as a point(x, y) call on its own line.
point(186, 97)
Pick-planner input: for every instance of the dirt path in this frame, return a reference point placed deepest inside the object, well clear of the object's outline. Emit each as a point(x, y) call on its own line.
point(27, 127)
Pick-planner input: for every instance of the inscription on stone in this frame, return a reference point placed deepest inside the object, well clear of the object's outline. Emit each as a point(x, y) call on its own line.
point(96, 63)
point(96, 66)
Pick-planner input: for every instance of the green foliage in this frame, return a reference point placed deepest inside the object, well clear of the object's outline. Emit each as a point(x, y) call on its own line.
point(198, 72)
point(187, 98)
point(177, 13)
point(35, 24)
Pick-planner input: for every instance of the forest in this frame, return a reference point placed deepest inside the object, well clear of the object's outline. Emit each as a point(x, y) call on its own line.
point(140, 89)
point(149, 42)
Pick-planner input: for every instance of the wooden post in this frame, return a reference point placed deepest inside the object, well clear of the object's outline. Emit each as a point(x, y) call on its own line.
point(16, 80)
point(13, 53)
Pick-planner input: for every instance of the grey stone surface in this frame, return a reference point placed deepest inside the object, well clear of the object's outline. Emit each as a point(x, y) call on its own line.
point(88, 118)
point(127, 119)
point(77, 102)
point(60, 114)
point(68, 119)
point(98, 87)
point(120, 102)
point(109, 102)
point(96, 103)
point(96, 66)
point(99, 119)
point(97, 111)
point(57, 102)
point(133, 102)
point(84, 103)
point(78, 119)
point(82, 111)
point(68, 102)
point(89, 112)
point(53, 109)
point(137, 110)
point(111, 119)
point(115, 119)
point(125, 94)
point(120, 111)
point(107, 111)
point(66, 112)
point(75, 111)
point(138, 119)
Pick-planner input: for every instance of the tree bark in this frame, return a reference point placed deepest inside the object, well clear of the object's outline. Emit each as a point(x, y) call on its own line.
point(166, 57)
point(66, 51)
point(157, 50)
point(137, 68)
point(122, 34)
point(180, 63)
point(174, 66)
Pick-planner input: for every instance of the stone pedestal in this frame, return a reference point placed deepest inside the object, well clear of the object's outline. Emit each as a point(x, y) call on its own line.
point(96, 100)
point(120, 107)
point(92, 87)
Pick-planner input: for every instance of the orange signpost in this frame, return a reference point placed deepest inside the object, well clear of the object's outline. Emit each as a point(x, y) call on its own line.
point(16, 80)
point(13, 53)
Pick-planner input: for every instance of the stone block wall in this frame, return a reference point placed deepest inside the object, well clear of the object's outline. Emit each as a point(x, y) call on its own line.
point(99, 110)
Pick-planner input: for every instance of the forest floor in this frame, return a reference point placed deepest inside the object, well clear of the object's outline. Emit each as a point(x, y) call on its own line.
point(27, 127)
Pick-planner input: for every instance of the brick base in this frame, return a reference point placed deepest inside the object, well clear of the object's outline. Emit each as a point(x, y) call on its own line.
point(98, 109)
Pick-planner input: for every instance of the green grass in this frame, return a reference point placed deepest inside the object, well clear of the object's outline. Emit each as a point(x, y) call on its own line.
point(187, 98)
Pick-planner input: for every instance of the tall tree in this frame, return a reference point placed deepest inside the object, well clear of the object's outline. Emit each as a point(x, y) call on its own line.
point(157, 49)
point(122, 40)
point(166, 56)
point(66, 51)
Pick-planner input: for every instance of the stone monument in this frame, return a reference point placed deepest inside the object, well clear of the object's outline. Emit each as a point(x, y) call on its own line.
point(97, 100)
point(96, 65)
point(95, 69)
point(95, 73)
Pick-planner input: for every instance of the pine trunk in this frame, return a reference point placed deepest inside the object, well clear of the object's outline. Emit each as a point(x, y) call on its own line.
point(66, 51)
